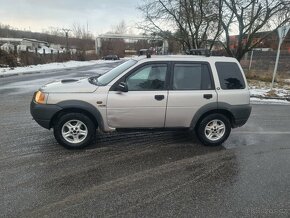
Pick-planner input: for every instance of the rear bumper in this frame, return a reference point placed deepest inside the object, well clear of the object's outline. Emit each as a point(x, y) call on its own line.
point(43, 113)
point(241, 114)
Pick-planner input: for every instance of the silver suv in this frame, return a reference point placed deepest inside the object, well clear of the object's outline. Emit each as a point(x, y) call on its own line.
point(206, 94)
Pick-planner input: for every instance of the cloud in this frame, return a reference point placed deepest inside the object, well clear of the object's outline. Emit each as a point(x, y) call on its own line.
point(40, 14)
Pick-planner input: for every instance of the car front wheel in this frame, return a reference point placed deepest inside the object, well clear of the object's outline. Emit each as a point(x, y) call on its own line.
point(74, 130)
point(214, 129)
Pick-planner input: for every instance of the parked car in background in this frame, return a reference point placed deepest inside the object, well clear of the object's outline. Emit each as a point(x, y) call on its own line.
point(111, 57)
point(146, 52)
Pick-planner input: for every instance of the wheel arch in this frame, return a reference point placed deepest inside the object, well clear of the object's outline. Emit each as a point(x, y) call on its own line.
point(224, 112)
point(76, 106)
point(211, 108)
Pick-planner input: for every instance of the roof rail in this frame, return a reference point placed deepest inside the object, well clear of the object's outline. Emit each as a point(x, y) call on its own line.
point(199, 51)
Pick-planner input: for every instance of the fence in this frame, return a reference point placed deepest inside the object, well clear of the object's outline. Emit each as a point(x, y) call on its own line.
point(263, 62)
point(25, 58)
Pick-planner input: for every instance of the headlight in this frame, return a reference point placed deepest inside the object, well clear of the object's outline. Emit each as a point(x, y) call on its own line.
point(40, 97)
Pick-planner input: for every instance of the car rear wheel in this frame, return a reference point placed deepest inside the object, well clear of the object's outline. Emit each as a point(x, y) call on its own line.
point(214, 129)
point(74, 130)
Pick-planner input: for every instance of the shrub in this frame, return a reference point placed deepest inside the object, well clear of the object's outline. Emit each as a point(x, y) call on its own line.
point(7, 59)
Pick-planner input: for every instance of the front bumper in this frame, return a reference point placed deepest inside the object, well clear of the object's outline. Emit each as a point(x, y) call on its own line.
point(43, 113)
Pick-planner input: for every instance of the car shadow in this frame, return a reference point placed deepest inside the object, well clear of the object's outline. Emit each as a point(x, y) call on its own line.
point(182, 143)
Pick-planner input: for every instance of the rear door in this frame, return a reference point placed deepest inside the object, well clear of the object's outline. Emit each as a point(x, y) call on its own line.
point(191, 88)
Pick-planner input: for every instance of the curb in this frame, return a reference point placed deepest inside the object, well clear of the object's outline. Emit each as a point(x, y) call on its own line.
point(19, 74)
point(34, 72)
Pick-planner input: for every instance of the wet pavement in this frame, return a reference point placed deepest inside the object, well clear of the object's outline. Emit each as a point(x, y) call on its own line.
point(160, 174)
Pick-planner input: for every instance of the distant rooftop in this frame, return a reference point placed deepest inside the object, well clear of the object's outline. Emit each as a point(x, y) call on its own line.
point(11, 40)
point(20, 40)
point(128, 36)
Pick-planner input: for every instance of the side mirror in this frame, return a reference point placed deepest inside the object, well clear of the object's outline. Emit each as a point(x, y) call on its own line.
point(122, 86)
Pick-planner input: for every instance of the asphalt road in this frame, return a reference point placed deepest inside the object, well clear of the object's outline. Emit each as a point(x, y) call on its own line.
point(140, 174)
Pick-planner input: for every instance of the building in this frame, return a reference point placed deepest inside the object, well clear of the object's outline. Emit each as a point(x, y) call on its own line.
point(8, 47)
point(269, 43)
point(22, 44)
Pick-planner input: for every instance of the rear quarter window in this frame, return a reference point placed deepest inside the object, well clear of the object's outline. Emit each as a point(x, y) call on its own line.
point(230, 75)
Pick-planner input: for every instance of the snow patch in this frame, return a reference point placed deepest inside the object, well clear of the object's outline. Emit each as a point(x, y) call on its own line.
point(264, 92)
point(51, 66)
point(255, 100)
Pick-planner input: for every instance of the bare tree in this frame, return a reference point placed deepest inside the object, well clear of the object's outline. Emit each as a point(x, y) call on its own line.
point(81, 31)
point(249, 18)
point(192, 21)
point(53, 31)
point(120, 28)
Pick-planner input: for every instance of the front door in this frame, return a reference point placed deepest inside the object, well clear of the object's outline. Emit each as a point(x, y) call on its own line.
point(144, 105)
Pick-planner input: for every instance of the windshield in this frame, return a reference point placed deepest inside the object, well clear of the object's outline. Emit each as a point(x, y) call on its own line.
point(112, 74)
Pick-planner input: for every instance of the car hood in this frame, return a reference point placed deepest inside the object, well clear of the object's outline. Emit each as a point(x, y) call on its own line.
point(69, 85)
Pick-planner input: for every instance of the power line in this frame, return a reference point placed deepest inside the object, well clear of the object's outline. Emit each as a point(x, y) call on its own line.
point(66, 36)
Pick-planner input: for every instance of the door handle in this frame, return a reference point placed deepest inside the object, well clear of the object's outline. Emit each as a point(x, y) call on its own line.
point(159, 97)
point(207, 96)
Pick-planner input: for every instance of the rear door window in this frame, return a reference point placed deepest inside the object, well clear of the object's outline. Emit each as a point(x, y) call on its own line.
point(230, 75)
point(191, 76)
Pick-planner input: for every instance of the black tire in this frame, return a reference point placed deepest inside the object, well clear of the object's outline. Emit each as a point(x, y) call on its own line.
point(218, 135)
point(86, 125)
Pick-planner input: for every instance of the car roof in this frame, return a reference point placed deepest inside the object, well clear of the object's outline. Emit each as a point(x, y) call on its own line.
point(183, 58)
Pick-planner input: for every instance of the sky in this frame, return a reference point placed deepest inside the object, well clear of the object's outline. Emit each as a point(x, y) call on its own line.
point(39, 15)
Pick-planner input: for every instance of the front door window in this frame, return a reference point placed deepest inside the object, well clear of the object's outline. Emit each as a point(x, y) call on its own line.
point(148, 78)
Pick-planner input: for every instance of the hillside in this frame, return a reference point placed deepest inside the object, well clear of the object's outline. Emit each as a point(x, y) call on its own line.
point(81, 44)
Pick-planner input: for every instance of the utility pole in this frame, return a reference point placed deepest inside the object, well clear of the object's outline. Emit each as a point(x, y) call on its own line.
point(282, 32)
point(66, 36)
